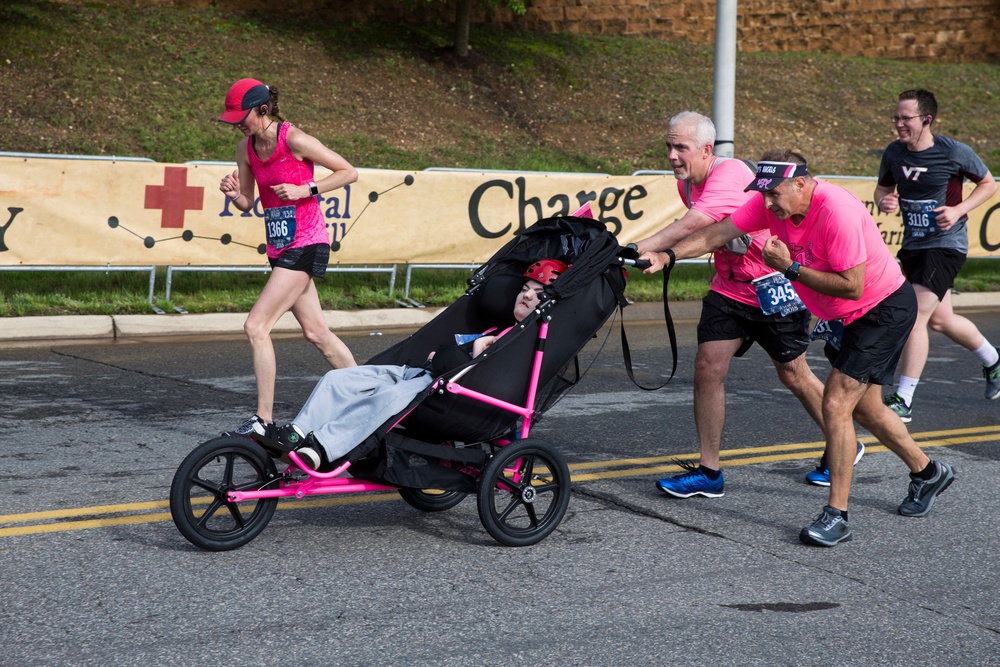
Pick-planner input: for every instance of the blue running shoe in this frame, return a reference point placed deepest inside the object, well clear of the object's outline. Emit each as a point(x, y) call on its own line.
point(821, 475)
point(693, 482)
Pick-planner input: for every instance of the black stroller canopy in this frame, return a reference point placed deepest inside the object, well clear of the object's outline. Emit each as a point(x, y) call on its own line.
point(575, 306)
point(584, 244)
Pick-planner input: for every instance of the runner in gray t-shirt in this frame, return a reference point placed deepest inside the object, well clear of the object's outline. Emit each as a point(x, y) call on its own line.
point(921, 176)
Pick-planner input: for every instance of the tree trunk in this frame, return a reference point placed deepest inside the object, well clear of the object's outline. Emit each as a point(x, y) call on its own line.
point(463, 12)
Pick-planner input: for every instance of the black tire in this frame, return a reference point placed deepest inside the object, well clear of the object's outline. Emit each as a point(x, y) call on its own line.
point(432, 500)
point(199, 503)
point(523, 493)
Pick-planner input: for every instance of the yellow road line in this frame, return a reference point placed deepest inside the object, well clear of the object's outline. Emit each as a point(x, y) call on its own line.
point(734, 457)
point(795, 446)
point(145, 512)
point(160, 516)
point(82, 511)
point(83, 525)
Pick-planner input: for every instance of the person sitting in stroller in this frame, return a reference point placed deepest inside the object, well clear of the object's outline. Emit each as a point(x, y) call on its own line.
point(349, 404)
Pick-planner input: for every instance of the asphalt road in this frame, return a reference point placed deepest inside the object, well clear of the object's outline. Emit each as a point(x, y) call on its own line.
point(95, 573)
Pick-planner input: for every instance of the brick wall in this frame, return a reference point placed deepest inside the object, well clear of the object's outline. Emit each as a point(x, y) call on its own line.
point(918, 30)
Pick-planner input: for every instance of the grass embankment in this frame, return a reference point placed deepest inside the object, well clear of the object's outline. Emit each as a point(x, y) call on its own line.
point(125, 293)
point(135, 79)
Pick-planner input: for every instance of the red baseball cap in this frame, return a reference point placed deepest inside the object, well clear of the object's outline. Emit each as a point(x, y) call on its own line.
point(243, 96)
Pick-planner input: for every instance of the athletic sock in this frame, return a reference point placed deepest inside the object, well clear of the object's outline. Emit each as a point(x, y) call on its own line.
point(906, 387)
point(711, 474)
point(928, 473)
point(987, 354)
point(836, 512)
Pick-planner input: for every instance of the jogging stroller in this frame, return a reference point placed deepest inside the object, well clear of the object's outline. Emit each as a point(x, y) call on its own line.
point(468, 432)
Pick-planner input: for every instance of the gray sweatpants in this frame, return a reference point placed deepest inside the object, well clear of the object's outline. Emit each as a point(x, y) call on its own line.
point(348, 404)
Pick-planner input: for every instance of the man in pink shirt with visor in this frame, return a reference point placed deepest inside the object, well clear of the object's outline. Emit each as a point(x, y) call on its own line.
point(732, 316)
point(824, 241)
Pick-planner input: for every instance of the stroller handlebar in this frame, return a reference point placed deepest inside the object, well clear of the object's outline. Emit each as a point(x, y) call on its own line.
point(631, 258)
point(637, 263)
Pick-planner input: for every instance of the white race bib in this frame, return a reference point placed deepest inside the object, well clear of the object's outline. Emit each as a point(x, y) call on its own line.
point(919, 216)
point(777, 295)
point(279, 226)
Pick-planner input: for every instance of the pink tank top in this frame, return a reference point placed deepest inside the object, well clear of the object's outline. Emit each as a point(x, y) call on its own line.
point(287, 224)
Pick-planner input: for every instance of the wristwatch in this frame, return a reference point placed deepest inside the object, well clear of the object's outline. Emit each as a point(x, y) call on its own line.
point(313, 190)
point(792, 272)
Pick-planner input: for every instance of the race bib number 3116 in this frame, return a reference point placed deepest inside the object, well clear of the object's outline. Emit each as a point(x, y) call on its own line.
point(919, 216)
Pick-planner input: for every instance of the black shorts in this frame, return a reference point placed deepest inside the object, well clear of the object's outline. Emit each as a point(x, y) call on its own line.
point(311, 259)
point(783, 338)
point(934, 268)
point(872, 343)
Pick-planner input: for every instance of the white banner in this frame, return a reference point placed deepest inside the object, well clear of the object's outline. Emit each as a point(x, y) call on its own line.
point(62, 212)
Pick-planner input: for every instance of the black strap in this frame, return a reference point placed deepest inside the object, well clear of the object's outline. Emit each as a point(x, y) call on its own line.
point(253, 138)
point(671, 333)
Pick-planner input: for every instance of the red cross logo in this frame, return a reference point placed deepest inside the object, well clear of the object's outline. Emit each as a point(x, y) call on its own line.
point(174, 197)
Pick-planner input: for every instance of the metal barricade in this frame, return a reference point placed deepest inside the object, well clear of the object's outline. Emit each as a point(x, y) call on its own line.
point(171, 270)
point(410, 303)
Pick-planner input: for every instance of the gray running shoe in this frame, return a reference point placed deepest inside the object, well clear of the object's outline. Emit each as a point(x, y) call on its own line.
point(899, 406)
point(922, 493)
point(828, 529)
point(992, 375)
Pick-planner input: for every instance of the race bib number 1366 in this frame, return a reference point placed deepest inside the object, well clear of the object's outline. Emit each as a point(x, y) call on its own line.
point(279, 225)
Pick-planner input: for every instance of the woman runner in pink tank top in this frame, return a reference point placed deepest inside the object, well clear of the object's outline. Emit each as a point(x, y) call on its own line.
point(278, 158)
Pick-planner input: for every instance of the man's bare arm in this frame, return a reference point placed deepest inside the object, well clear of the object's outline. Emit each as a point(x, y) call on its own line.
point(679, 229)
point(700, 242)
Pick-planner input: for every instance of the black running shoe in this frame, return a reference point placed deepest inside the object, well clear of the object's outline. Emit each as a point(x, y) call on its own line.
point(289, 436)
point(311, 455)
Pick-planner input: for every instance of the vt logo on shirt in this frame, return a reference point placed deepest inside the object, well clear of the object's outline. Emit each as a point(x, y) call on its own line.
point(913, 173)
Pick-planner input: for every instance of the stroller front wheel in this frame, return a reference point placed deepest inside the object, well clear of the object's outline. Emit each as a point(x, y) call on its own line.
point(199, 493)
point(523, 493)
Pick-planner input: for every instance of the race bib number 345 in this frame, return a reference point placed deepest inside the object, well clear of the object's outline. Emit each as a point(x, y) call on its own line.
point(777, 295)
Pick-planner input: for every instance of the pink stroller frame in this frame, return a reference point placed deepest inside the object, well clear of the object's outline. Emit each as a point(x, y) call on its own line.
point(226, 490)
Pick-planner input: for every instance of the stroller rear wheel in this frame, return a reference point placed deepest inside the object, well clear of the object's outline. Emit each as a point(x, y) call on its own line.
point(523, 493)
point(199, 502)
point(432, 500)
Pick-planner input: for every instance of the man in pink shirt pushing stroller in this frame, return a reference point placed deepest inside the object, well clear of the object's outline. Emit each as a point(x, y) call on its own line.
point(825, 241)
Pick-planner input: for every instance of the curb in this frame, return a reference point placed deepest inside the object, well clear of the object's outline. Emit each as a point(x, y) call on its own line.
point(42, 330)
point(109, 328)
point(207, 324)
